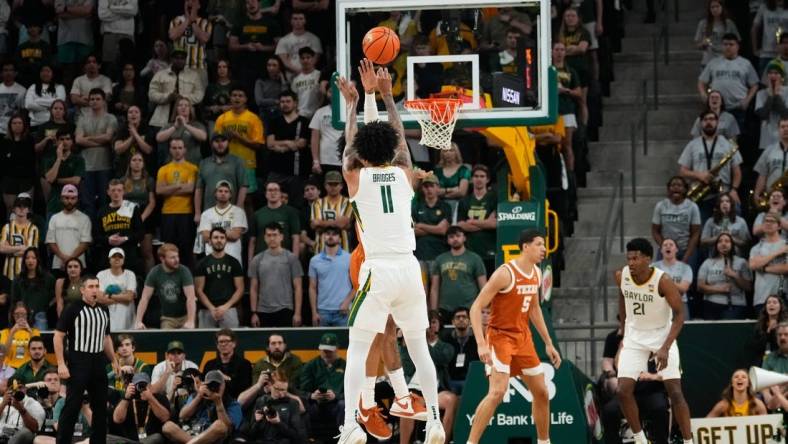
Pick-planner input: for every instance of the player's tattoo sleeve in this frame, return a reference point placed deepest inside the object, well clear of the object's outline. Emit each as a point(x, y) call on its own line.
point(349, 154)
point(402, 155)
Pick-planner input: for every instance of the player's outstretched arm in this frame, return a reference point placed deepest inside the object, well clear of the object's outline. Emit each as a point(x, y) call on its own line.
point(671, 294)
point(402, 155)
point(537, 318)
point(348, 91)
point(366, 70)
point(499, 280)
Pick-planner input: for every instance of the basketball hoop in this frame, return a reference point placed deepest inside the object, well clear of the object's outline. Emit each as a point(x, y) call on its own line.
point(437, 117)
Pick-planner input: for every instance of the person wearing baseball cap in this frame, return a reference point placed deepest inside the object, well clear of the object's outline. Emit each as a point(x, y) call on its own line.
point(220, 166)
point(120, 287)
point(69, 233)
point(168, 85)
point(167, 372)
point(322, 380)
point(332, 210)
point(211, 401)
point(224, 214)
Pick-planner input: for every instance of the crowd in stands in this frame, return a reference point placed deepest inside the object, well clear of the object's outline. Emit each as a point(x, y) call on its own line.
point(183, 152)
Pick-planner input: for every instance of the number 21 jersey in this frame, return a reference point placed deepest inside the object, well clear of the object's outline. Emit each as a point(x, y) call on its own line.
point(382, 208)
point(646, 309)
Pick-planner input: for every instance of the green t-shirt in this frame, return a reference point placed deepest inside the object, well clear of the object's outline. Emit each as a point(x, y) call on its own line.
point(429, 246)
point(73, 166)
point(219, 277)
point(480, 242)
point(285, 215)
point(231, 169)
point(454, 180)
point(776, 362)
point(138, 191)
point(168, 287)
point(569, 79)
point(458, 275)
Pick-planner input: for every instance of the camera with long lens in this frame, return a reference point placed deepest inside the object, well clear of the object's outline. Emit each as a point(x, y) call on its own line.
point(187, 379)
point(214, 386)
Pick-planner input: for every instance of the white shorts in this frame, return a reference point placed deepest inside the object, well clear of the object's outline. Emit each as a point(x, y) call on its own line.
point(390, 285)
point(637, 349)
point(570, 121)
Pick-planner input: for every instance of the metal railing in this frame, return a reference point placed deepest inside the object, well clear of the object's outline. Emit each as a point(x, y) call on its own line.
point(660, 42)
point(638, 126)
point(614, 219)
point(585, 352)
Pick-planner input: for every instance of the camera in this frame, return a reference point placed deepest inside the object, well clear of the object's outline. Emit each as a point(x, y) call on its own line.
point(187, 383)
point(270, 409)
point(322, 390)
point(127, 377)
point(19, 395)
point(140, 387)
point(214, 386)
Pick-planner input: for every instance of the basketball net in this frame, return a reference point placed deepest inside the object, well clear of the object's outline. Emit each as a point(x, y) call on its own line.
point(437, 117)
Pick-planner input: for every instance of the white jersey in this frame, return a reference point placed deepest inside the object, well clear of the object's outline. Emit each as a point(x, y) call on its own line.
point(382, 206)
point(646, 309)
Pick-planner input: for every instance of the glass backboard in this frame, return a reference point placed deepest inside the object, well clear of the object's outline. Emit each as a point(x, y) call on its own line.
point(494, 55)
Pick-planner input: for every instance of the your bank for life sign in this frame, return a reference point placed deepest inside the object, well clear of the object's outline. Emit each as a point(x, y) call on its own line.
point(763, 429)
point(513, 418)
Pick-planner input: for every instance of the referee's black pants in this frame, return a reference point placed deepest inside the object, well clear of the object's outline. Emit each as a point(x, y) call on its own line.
point(88, 372)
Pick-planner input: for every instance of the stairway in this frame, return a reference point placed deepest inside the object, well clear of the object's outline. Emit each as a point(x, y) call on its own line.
point(668, 129)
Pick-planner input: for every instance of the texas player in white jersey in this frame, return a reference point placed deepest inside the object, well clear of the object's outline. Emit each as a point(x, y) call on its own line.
point(651, 316)
point(381, 190)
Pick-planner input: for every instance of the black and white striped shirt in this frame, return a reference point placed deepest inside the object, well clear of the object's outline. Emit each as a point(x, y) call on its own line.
point(85, 326)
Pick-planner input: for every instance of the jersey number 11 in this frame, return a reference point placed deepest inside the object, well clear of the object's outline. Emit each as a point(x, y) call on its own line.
point(385, 196)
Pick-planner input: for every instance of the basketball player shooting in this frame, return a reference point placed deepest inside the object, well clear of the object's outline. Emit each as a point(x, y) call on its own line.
point(508, 349)
point(651, 316)
point(379, 175)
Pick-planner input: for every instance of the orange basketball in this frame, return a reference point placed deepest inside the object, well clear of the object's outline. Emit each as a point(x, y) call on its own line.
point(381, 45)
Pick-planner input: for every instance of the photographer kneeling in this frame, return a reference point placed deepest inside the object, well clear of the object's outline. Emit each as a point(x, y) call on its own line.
point(212, 413)
point(276, 418)
point(20, 415)
point(141, 413)
point(47, 393)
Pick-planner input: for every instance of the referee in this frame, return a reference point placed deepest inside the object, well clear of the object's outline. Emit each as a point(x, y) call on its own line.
point(86, 325)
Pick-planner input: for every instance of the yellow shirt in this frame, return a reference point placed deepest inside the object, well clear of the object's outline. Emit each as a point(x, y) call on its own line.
point(17, 353)
point(176, 173)
point(323, 209)
point(247, 124)
point(739, 409)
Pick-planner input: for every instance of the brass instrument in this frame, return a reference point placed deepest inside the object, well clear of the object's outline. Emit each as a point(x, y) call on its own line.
point(700, 190)
point(761, 201)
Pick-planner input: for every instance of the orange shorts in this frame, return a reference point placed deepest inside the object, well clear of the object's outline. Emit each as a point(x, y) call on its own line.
point(513, 355)
point(356, 259)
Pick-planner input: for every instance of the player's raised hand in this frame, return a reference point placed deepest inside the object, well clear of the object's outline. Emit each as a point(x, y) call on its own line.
point(383, 78)
point(553, 355)
point(348, 90)
point(366, 69)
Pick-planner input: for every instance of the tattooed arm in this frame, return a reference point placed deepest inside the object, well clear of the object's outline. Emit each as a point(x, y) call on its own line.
point(402, 154)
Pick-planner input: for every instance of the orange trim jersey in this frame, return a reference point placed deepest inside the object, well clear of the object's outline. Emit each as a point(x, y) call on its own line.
point(508, 334)
point(511, 307)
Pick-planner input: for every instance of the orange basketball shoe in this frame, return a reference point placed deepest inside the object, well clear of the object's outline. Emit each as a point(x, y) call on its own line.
point(374, 422)
point(410, 407)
